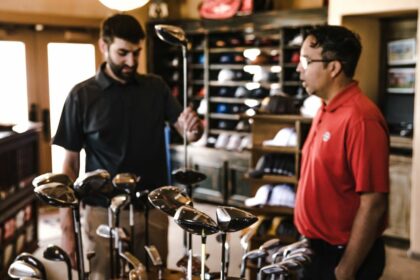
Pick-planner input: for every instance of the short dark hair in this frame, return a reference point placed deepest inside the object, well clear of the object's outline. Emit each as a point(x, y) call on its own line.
point(122, 26)
point(337, 43)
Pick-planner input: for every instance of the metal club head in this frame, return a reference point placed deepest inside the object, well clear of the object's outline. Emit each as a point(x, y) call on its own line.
point(52, 178)
point(168, 199)
point(195, 221)
point(251, 255)
point(188, 177)
point(104, 231)
point(93, 182)
point(55, 253)
point(118, 202)
point(30, 259)
point(21, 269)
point(57, 195)
point(231, 219)
point(271, 244)
point(170, 34)
point(126, 182)
point(276, 269)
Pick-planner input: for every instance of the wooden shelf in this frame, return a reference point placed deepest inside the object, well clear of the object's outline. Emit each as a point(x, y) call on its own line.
point(231, 100)
point(235, 117)
point(283, 118)
point(401, 142)
point(273, 179)
point(242, 49)
point(269, 210)
point(275, 149)
point(219, 131)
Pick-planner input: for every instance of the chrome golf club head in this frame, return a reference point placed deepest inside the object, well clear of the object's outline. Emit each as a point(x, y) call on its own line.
point(195, 221)
point(132, 260)
point(170, 34)
point(118, 202)
point(169, 199)
point(270, 244)
point(57, 195)
point(29, 258)
point(55, 253)
point(21, 269)
point(188, 177)
point(276, 269)
point(93, 182)
point(104, 231)
point(52, 178)
point(302, 258)
point(251, 255)
point(231, 219)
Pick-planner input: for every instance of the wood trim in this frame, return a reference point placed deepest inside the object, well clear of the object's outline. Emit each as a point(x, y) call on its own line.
point(48, 19)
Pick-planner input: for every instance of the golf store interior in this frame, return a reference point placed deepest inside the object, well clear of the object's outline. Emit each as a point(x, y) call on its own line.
point(226, 200)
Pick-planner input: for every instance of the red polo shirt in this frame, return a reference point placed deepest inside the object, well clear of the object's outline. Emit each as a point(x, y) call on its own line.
point(346, 153)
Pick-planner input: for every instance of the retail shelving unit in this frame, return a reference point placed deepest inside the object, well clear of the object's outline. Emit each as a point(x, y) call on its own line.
point(18, 208)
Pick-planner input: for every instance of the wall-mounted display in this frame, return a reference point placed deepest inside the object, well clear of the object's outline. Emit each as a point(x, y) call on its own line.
point(402, 52)
point(401, 80)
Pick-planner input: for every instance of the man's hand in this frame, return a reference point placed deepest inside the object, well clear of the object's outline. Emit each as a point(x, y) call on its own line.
point(190, 120)
point(68, 242)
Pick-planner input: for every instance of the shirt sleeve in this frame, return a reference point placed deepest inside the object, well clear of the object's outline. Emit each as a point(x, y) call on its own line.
point(368, 156)
point(69, 133)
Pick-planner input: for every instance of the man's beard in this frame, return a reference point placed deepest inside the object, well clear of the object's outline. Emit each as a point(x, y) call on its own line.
point(118, 70)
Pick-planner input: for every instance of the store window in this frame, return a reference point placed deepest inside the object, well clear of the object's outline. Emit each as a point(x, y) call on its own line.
point(13, 83)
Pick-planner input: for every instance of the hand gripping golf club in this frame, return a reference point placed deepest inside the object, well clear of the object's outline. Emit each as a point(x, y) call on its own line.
point(59, 195)
point(21, 269)
point(199, 223)
point(231, 219)
point(128, 182)
point(55, 253)
point(30, 259)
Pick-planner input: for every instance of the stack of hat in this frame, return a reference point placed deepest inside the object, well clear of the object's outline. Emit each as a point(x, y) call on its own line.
point(275, 195)
point(232, 142)
point(284, 137)
point(274, 164)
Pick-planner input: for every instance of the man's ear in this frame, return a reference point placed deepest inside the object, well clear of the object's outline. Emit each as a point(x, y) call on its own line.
point(335, 68)
point(103, 47)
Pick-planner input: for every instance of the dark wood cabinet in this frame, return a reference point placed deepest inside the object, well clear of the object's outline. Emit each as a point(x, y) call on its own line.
point(18, 207)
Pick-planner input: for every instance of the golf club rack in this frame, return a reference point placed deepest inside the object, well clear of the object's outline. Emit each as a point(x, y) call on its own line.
point(271, 260)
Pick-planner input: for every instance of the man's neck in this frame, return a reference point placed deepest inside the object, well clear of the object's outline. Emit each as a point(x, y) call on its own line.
point(337, 86)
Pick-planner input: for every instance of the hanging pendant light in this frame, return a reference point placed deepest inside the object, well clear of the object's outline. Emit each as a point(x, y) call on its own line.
point(124, 5)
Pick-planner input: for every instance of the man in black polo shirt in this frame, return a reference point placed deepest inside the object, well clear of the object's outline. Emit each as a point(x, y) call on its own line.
point(118, 117)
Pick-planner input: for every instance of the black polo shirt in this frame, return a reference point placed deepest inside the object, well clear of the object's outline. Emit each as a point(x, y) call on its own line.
point(120, 126)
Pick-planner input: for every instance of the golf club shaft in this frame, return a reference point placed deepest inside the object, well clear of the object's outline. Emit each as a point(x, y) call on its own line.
point(111, 244)
point(223, 269)
point(203, 256)
point(146, 233)
point(184, 65)
point(131, 227)
point(117, 259)
point(79, 251)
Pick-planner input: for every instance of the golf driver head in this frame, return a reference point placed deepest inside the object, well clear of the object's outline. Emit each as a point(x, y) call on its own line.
point(188, 177)
point(231, 219)
point(57, 195)
point(170, 34)
point(55, 253)
point(94, 182)
point(195, 221)
point(29, 258)
point(52, 178)
point(168, 199)
point(126, 182)
point(21, 269)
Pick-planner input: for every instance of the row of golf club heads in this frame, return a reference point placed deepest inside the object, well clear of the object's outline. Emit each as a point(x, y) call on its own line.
point(26, 266)
point(96, 188)
point(177, 204)
point(274, 260)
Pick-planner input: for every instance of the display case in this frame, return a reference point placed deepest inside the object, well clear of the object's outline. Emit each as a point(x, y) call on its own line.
point(18, 208)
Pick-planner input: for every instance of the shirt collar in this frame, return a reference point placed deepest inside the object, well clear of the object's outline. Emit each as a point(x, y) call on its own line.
point(343, 97)
point(105, 81)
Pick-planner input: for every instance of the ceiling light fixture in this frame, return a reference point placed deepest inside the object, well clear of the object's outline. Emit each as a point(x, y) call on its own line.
point(124, 5)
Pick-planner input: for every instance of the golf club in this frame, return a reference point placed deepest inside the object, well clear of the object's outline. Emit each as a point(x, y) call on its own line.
point(252, 255)
point(59, 195)
point(231, 219)
point(273, 270)
point(21, 269)
point(52, 178)
point(199, 223)
point(55, 253)
point(29, 258)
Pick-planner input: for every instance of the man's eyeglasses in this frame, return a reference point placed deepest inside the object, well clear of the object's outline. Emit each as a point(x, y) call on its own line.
point(305, 61)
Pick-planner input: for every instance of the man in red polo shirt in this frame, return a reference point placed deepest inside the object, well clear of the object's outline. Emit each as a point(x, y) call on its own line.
point(342, 200)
